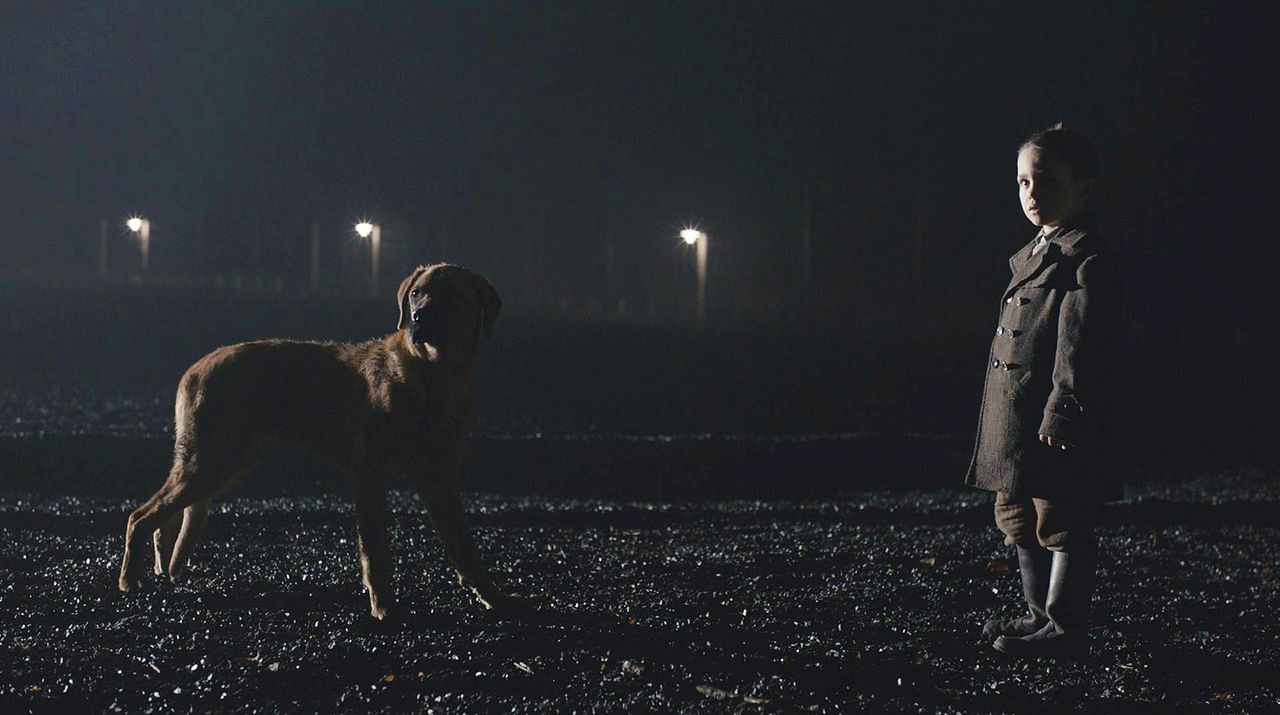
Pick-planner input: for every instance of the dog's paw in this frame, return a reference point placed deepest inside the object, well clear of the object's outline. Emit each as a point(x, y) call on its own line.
point(499, 601)
point(384, 612)
point(180, 575)
point(129, 584)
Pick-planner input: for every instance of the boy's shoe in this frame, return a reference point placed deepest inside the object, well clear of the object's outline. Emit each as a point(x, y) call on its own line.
point(1067, 605)
point(1033, 567)
point(1047, 642)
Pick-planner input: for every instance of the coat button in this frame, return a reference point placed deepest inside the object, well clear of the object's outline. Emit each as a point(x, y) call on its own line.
point(1008, 300)
point(995, 363)
point(1000, 330)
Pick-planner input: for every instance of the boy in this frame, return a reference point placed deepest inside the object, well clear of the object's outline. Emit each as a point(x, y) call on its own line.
point(1042, 425)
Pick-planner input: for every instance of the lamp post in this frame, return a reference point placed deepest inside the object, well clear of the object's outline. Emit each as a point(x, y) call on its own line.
point(694, 237)
point(142, 227)
point(373, 232)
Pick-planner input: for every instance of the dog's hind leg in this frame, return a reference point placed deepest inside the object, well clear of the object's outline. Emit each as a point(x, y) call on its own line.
point(185, 486)
point(165, 537)
point(193, 521)
point(174, 496)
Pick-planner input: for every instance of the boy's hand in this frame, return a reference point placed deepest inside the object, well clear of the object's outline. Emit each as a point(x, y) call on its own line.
point(1055, 442)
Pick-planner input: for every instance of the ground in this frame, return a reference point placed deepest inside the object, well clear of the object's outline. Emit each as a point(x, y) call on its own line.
point(874, 601)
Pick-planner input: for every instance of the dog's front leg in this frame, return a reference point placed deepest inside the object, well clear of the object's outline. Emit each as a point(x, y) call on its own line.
point(440, 490)
point(375, 547)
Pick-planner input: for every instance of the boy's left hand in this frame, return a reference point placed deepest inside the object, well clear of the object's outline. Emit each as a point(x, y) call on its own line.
point(1055, 442)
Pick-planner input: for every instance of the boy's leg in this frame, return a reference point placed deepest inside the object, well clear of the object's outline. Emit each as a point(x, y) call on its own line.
point(1017, 520)
point(1065, 528)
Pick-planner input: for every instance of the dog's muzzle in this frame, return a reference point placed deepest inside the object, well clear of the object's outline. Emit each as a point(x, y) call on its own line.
point(420, 328)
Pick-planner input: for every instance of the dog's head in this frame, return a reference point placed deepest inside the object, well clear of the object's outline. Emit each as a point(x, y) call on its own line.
point(447, 306)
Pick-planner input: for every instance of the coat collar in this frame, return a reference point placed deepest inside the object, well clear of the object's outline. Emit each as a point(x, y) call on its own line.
point(1071, 235)
point(1064, 240)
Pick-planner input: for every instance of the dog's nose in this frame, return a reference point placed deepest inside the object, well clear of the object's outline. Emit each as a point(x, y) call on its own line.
point(415, 315)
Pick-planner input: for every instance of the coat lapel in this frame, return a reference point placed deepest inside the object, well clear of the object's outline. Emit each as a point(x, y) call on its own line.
point(1062, 241)
point(1023, 265)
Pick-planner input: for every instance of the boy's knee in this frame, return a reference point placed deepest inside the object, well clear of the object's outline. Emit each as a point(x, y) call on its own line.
point(1016, 520)
point(1054, 541)
point(1024, 539)
point(1061, 525)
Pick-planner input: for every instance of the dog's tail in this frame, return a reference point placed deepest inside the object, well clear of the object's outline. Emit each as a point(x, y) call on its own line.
point(182, 417)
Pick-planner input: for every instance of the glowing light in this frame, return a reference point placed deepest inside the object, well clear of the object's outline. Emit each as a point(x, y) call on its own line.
point(364, 228)
point(134, 224)
point(691, 235)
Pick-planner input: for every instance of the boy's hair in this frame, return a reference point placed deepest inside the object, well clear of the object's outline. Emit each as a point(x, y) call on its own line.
point(1067, 146)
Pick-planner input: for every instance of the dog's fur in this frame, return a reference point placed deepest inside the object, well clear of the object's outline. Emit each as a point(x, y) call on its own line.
point(402, 403)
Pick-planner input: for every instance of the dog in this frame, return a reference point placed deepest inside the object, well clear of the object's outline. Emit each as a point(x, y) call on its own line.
point(400, 403)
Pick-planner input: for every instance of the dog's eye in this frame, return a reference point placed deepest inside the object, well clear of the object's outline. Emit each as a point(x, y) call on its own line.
point(414, 293)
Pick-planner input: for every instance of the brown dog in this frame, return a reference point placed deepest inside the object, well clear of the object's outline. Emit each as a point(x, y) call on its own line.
point(399, 403)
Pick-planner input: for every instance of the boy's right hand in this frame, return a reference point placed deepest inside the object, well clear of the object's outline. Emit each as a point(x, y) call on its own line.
point(1055, 442)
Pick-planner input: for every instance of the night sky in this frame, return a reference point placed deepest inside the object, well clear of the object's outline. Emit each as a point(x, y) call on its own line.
point(531, 140)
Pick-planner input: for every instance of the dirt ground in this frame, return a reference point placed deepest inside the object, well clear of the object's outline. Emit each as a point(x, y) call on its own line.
point(873, 602)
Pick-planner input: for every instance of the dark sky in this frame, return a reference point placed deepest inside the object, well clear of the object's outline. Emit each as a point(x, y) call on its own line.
point(535, 136)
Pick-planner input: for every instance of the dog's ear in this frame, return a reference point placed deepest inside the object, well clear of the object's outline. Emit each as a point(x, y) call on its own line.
point(402, 295)
point(490, 303)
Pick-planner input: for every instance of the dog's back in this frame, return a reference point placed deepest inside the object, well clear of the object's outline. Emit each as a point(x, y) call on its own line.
point(241, 394)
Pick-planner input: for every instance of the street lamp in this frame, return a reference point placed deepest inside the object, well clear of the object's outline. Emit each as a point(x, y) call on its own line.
point(142, 227)
point(693, 236)
point(373, 232)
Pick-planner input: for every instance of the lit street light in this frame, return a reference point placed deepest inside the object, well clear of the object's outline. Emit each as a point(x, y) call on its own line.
point(373, 232)
point(691, 237)
point(142, 227)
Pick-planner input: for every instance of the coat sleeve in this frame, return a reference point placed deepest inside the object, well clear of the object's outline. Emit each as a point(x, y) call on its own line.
point(1082, 366)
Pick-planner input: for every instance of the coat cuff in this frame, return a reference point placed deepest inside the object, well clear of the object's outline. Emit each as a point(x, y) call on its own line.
point(1060, 427)
point(1064, 419)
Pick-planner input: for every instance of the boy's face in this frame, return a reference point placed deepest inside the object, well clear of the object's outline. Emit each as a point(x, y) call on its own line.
point(1049, 191)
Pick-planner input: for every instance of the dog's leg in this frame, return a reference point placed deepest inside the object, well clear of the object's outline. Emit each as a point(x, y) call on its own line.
point(186, 485)
point(193, 521)
point(176, 494)
point(165, 537)
point(448, 514)
point(375, 547)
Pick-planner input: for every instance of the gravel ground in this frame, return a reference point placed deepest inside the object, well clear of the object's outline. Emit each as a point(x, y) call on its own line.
point(873, 602)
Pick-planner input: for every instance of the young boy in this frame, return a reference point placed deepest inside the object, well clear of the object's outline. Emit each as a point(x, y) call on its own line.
point(1042, 428)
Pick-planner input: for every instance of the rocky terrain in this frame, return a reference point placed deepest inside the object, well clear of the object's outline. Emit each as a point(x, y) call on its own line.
point(870, 601)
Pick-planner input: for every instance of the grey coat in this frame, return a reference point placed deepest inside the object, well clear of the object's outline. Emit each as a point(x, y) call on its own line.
point(1050, 372)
